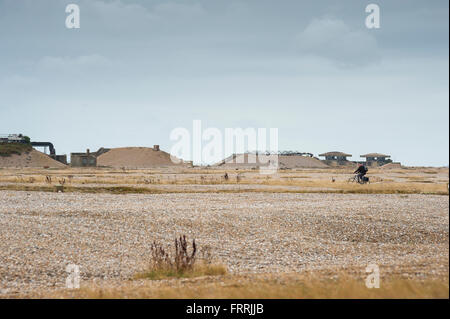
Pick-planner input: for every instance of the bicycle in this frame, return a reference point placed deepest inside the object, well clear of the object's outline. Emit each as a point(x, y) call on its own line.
point(362, 181)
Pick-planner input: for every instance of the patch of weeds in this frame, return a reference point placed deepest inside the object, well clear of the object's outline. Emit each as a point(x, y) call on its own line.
point(184, 263)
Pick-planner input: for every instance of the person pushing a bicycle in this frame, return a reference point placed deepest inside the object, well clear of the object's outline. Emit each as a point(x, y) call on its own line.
point(361, 171)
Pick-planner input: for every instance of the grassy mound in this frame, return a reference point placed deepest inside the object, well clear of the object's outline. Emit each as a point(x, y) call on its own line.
point(7, 150)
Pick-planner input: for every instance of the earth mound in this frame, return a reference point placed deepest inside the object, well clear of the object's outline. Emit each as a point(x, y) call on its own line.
point(391, 166)
point(298, 161)
point(29, 158)
point(284, 161)
point(135, 157)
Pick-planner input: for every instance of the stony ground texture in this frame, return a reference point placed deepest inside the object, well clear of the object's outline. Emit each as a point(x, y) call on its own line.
point(109, 236)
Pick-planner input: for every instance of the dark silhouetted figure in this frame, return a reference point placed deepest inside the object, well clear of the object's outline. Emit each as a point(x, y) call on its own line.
point(361, 171)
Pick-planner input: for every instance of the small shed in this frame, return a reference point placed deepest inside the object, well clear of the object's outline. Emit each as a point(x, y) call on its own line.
point(87, 159)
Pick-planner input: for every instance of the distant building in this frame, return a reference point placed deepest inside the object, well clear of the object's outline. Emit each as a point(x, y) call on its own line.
point(88, 159)
point(335, 158)
point(14, 138)
point(376, 159)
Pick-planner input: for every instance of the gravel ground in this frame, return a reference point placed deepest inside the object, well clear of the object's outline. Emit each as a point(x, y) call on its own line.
point(109, 236)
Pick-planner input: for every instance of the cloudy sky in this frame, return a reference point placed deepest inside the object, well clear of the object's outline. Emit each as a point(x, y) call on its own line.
point(137, 69)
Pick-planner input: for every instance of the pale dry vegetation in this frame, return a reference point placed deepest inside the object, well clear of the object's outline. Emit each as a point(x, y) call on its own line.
point(156, 181)
point(288, 286)
point(182, 263)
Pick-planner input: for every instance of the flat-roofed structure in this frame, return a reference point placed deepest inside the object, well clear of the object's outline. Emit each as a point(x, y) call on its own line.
point(377, 159)
point(335, 158)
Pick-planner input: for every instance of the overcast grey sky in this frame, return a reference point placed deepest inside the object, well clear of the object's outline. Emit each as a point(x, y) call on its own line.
point(137, 69)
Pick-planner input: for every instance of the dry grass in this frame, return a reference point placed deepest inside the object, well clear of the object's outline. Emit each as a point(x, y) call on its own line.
point(307, 187)
point(384, 187)
point(181, 264)
point(411, 181)
point(200, 269)
point(271, 287)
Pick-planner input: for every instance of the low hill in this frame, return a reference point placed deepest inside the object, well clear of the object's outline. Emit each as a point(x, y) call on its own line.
point(391, 166)
point(297, 161)
point(25, 156)
point(284, 161)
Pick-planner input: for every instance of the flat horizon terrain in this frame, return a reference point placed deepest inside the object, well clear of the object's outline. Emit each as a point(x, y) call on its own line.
point(295, 226)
